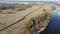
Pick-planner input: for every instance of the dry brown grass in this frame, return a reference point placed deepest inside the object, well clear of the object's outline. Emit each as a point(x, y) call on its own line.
point(30, 21)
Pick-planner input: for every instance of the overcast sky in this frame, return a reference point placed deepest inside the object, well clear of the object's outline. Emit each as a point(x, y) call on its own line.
point(29, 0)
point(3, 1)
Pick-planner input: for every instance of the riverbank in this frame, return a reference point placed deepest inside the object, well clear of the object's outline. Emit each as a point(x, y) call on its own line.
point(58, 11)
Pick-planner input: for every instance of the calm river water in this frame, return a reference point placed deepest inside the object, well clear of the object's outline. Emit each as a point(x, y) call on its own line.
point(54, 24)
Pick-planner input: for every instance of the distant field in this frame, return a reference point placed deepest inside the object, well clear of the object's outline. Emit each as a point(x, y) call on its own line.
point(13, 8)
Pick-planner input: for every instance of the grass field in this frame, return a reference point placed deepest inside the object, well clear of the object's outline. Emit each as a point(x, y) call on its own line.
point(24, 18)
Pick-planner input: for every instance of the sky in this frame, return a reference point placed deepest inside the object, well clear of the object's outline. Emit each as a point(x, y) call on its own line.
point(25, 0)
point(29, 0)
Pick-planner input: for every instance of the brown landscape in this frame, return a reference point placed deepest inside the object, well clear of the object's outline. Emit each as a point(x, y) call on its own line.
point(20, 18)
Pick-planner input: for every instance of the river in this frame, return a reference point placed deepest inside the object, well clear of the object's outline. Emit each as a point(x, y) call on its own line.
point(54, 24)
